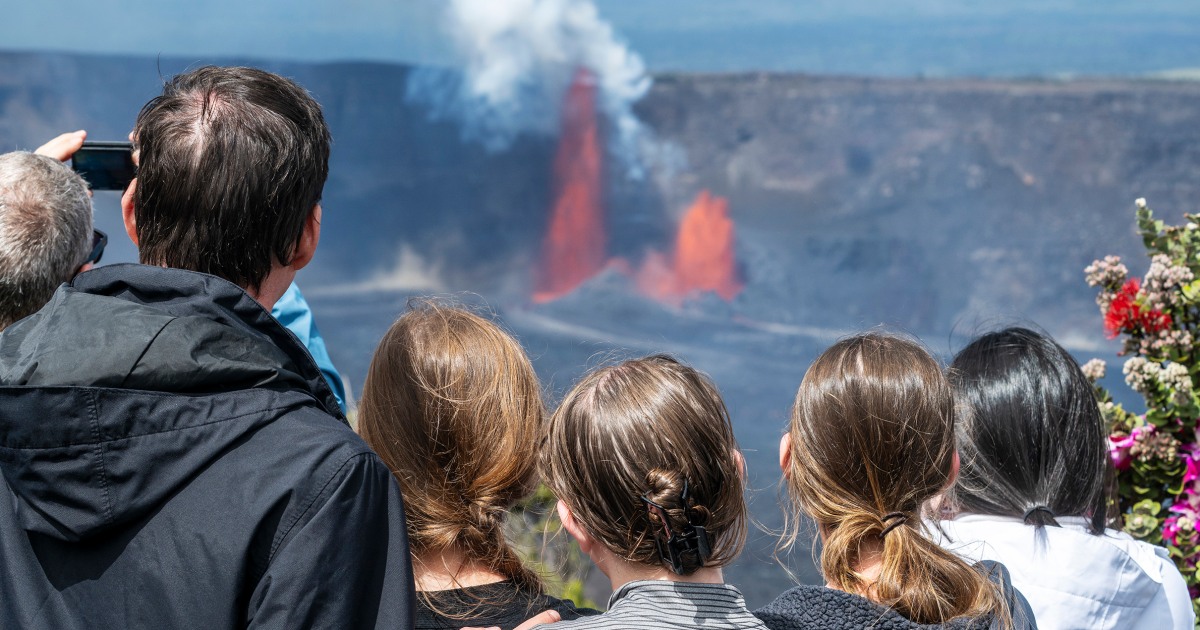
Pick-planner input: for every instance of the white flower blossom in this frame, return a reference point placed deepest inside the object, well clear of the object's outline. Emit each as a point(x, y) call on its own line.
point(1175, 376)
point(1140, 374)
point(1108, 274)
point(1164, 282)
point(1094, 369)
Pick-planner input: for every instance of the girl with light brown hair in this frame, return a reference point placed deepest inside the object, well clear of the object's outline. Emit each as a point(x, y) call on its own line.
point(649, 478)
point(871, 442)
point(452, 405)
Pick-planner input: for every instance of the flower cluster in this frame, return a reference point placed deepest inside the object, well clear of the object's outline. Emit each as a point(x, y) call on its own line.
point(1094, 369)
point(1157, 453)
point(1141, 375)
point(1164, 281)
point(1166, 342)
point(1126, 313)
point(1108, 274)
point(1178, 381)
point(1120, 446)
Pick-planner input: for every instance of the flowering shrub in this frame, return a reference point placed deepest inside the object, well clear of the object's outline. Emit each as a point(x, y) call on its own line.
point(1156, 455)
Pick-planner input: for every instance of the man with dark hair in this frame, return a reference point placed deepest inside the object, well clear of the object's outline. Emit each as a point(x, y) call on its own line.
point(171, 455)
point(46, 234)
point(248, 194)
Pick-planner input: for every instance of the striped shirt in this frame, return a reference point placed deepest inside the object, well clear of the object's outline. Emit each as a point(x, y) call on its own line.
point(663, 604)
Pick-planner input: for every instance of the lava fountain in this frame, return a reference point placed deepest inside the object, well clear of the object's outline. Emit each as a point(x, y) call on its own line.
point(704, 256)
point(574, 248)
point(702, 260)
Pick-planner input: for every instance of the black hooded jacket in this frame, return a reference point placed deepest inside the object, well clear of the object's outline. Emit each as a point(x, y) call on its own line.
point(171, 457)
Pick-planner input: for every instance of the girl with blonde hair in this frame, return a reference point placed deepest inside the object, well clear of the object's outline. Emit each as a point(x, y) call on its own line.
point(871, 441)
point(452, 405)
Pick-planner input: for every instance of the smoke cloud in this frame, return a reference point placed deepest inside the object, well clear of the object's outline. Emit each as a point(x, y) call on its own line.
point(518, 58)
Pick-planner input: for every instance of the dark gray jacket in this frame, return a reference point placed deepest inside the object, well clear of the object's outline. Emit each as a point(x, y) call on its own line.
point(821, 608)
point(172, 458)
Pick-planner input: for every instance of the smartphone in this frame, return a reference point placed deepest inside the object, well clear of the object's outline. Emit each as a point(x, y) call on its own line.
point(105, 165)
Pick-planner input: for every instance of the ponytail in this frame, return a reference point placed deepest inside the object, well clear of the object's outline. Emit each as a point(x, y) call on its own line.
point(482, 537)
point(921, 580)
point(476, 529)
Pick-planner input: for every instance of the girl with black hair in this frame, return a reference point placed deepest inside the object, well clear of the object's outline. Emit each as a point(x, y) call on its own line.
point(1031, 492)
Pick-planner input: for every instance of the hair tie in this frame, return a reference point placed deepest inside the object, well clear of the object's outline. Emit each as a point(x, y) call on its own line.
point(901, 518)
point(1038, 508)
point(692, 538)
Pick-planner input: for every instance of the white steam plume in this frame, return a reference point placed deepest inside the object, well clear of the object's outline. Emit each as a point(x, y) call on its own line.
point(518, 58)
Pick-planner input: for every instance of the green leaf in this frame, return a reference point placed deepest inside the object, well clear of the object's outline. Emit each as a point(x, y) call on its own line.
point(1159, 417)
point(1191, 291)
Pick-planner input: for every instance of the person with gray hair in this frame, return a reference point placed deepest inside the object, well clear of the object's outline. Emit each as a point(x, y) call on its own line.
point(46, 234)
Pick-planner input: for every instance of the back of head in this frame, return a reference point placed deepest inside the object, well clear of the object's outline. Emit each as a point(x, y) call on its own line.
point(452, 405)
point(872, 439)
point(45, 231)
point(1030, 433)
point(231, 161)
point(647, 431)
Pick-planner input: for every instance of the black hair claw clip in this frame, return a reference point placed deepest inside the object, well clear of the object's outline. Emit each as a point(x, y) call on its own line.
point(672, 545)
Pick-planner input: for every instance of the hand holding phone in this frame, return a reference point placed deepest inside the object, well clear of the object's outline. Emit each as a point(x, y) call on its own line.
point(105, 165)
point(64, 146)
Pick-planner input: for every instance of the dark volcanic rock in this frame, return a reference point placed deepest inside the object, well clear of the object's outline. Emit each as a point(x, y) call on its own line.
point(929, 203)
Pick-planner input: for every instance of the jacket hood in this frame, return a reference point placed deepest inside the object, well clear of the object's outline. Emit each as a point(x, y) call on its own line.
point(130, 381)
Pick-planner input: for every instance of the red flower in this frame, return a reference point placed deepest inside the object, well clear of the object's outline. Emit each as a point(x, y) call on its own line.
point(1125, 315)
point(1123, 311)
point(1153, 321)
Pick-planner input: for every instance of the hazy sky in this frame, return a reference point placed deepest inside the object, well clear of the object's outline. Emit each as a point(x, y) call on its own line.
point(895, 37)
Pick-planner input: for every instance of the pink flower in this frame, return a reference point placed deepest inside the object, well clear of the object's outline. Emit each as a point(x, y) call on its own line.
point(1171, 528)
point(1191, 477)
point(1192, 472)
point(1118, 448)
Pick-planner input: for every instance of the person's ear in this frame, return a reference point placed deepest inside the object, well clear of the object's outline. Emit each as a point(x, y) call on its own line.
point(128, 213)
point(954, 466)
point(573, 528)
point(306, 247)
point(785, 454)
point(741, 465)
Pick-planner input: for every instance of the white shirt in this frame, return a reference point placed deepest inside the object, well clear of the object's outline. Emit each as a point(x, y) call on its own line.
point(1076, 580)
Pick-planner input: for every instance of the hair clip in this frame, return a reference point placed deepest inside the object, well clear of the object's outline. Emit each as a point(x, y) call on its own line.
point(693, 538)
point(900, 518)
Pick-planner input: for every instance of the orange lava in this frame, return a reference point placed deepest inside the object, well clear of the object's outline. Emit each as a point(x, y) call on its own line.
point(703, 258)
point(574, 248)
